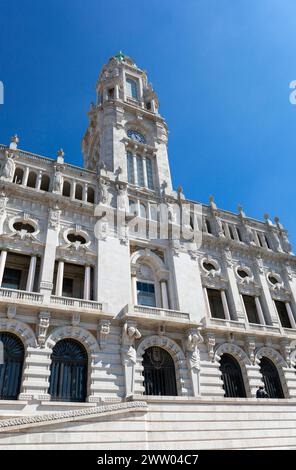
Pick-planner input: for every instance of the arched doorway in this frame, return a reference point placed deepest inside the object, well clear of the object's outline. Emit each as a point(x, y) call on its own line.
point(68, 371)
point(11, 369)
point(271, 378)
point(233, 383)
point(159, 372)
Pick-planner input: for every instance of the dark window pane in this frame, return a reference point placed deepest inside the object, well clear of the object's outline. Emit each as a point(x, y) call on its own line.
point(283, 314)
point(68, 371)
point(159, 372)
point(251, 309)
point(271, 378)
point(233, 383)
point(11, 278)
point(216, 305)
point(11, 369)
point(67, 287)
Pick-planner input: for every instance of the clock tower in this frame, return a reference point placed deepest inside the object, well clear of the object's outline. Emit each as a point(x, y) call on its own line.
point(126, 134)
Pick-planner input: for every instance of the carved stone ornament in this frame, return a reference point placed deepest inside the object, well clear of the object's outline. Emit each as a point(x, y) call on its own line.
point(251, 348)
point(103, 192)
point(103, 332)
point(44, 319)
point(7, 167)
point(129, 334)
point(211, 341)
point(129, 356)
point(122, 199)
point(193, 340)
point(57, 181)
point(54, 218)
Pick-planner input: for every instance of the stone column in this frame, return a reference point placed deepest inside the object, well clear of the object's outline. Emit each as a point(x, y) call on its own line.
point(25, 176)
point(266, 296)
point(48, 259)
point(145, 172)
point(225, 305)
point(134, 289)
point(3, 257)
point(259, 311)
point(60, 278)
point(86, 291)
point(85, 190)
point(234, 291)
point(290, 315)
point(31, 274)
point(164, 294)
point(73, 189)
point(135, 169)
point(38, 180)
point(116, 92)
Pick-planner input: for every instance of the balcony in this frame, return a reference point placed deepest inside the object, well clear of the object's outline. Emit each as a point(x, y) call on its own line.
point(20, 296)
point(77, 304)
point(150, 314)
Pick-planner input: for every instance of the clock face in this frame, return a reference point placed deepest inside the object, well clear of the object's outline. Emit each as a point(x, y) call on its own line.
point(134, 135)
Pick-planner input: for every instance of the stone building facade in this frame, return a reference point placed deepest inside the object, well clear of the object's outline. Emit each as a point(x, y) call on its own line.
point(117, 293)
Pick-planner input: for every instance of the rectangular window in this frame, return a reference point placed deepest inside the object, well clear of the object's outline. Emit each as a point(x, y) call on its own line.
point(131, 88)
point(231, 233)
point(283, 314)
point(140, 172)
point(239, 234)
point(11, 278)
point(216, 305)
point(208, 226)
point(146, 294)
point(149, 168)
point(251, 309)
point(153, 211)
point(130, 168)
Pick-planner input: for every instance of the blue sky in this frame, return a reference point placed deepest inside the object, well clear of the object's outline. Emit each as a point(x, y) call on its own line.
point(221, 69)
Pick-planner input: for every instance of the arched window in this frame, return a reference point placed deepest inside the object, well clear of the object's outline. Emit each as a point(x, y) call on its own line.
point(45, 181)
point(131, 88)
point(66, 188)
point(32, 179)
point(11, 369)
point(68, 371)
point(271, 378)
point(159, 372)
point(78, 192)
point(18, 176)
point(233, 383)
point(90, 195)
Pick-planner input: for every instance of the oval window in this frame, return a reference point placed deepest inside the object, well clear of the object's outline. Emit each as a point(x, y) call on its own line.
point(23, 226)
point(73, 238)
point(209, 267)
point(242, 273)
point(273, 280)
